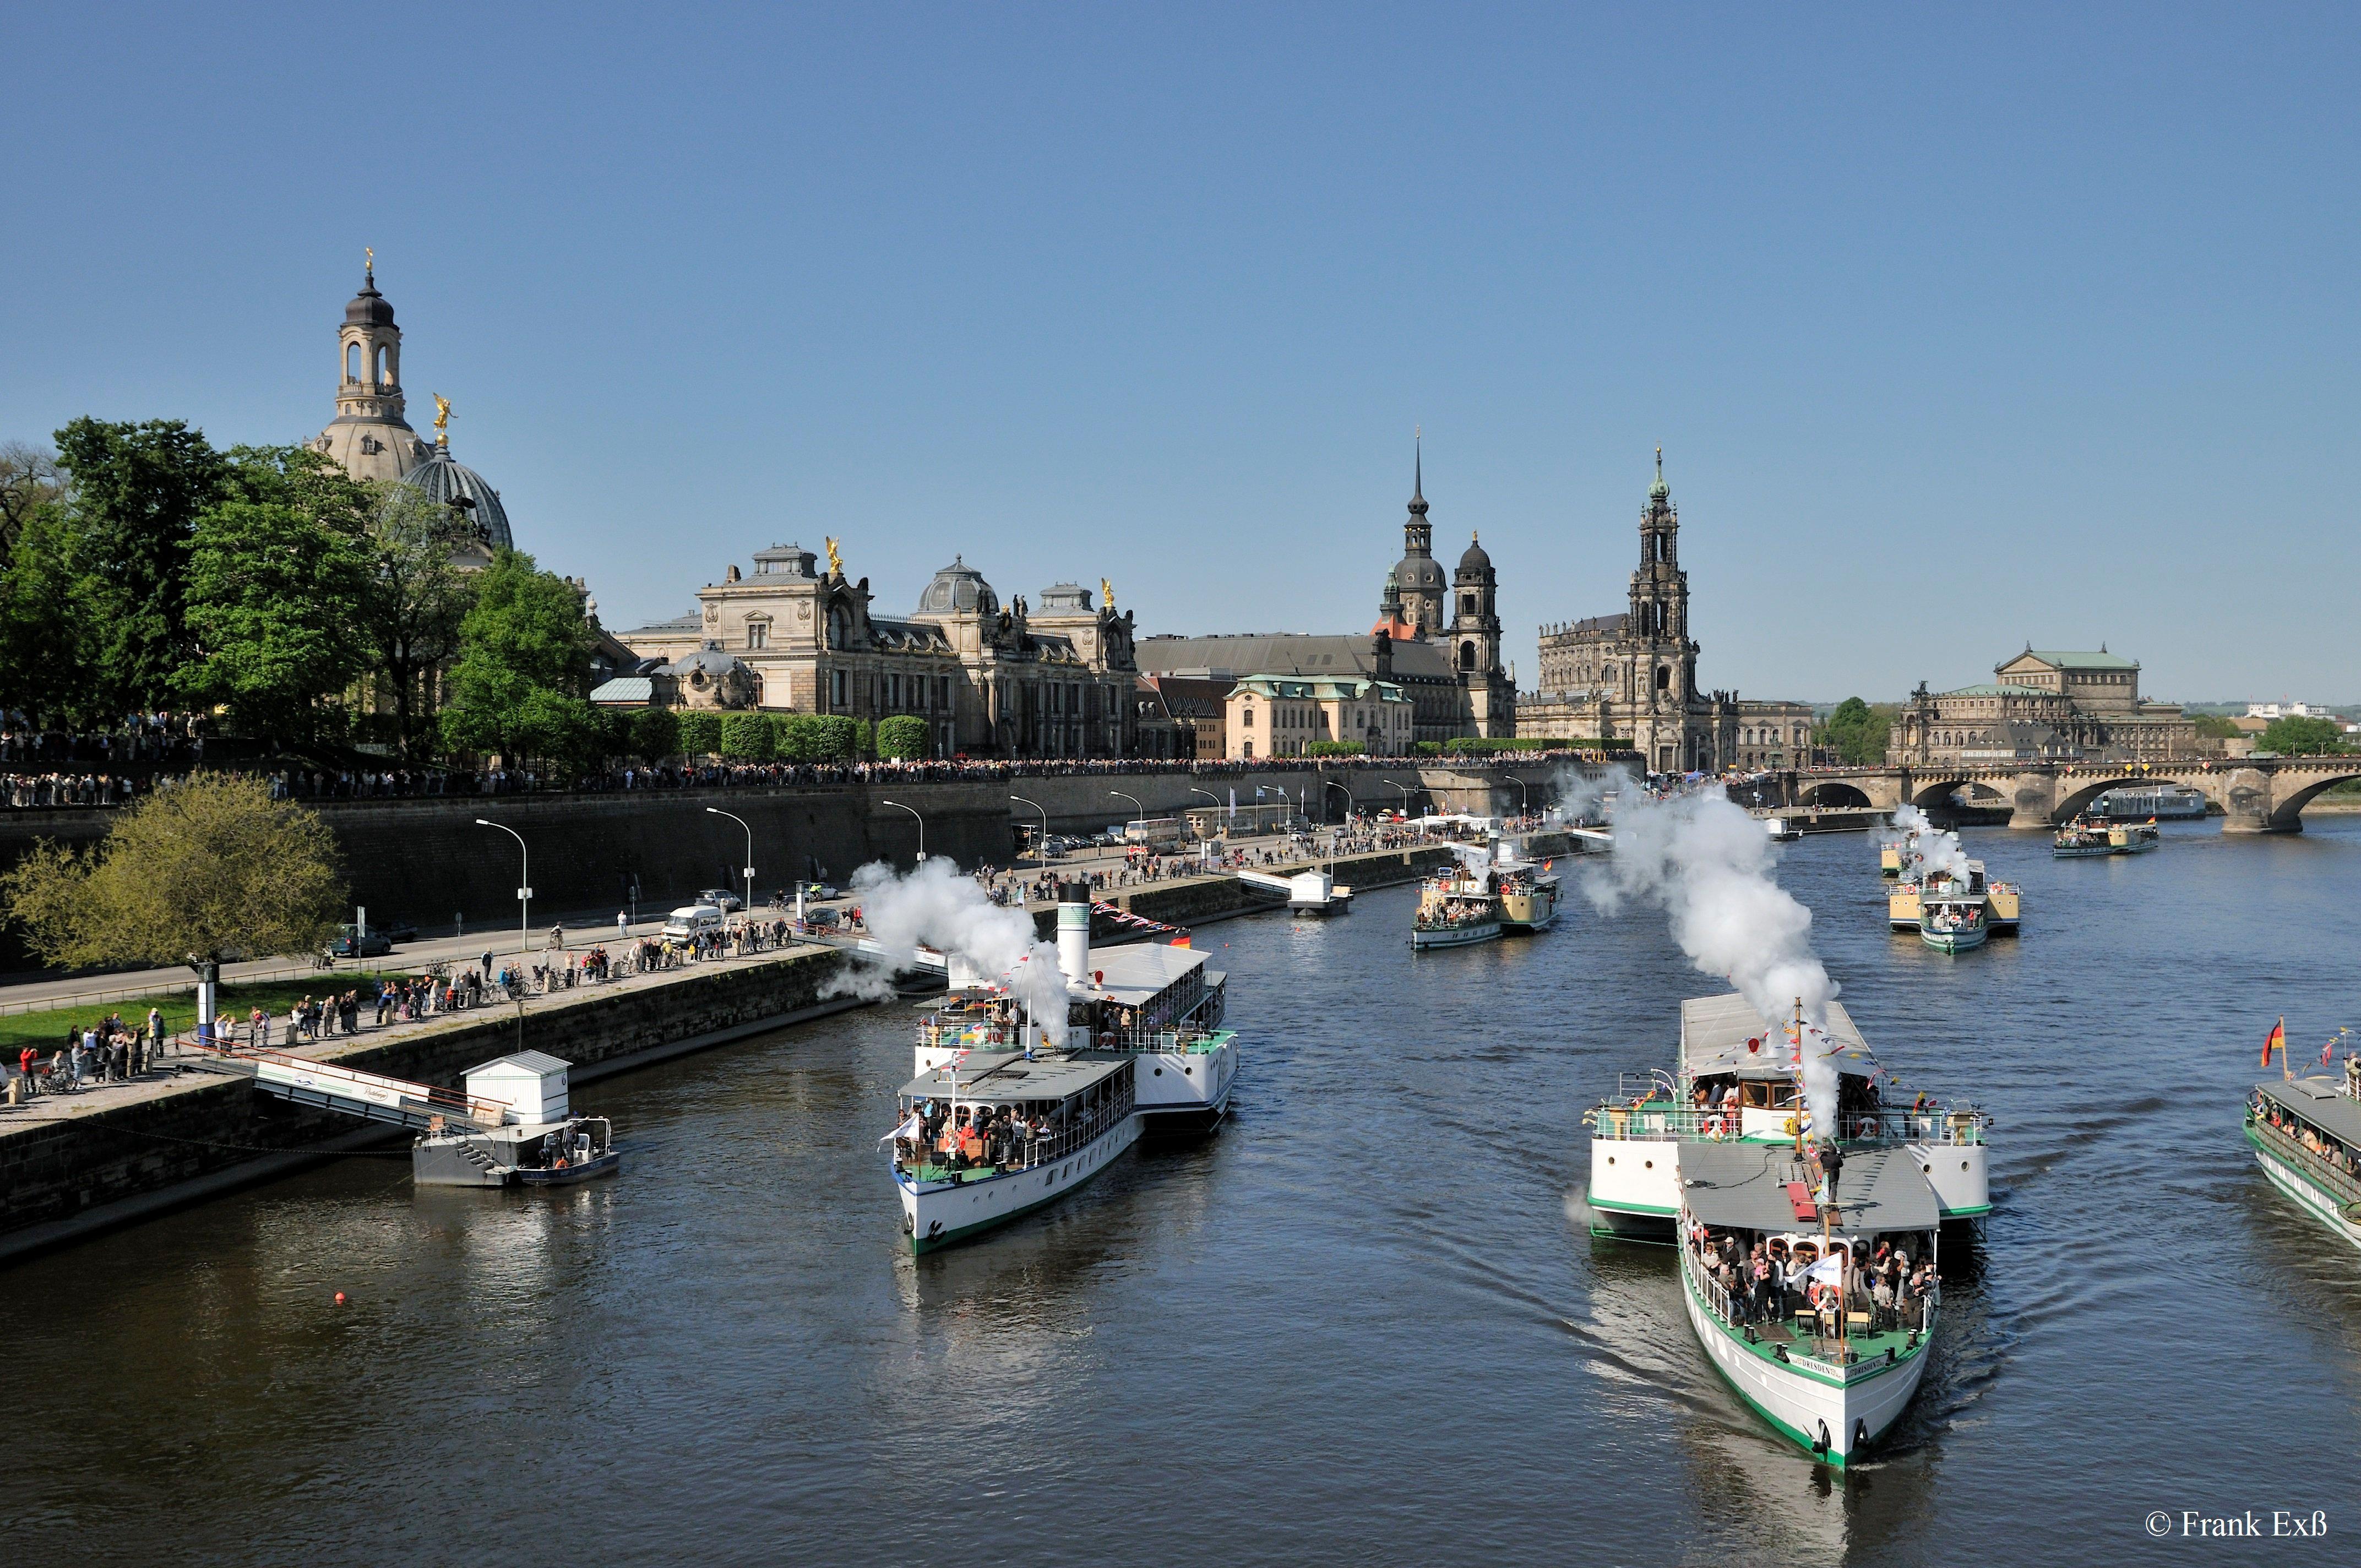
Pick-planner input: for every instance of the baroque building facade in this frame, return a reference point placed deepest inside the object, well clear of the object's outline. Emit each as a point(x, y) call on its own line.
point(988, 679)
point(1632, 677)
point(2043, 706)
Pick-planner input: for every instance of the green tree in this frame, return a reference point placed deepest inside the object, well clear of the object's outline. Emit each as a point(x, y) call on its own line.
point(1855, 731)
point(417, 603)
point(137, 491)
point(45, 616)
point(213, 867)
point(802, 737)
point(274, 612)
point(524, 665)
point(2293, 737)
point(30, 485)
point(2217, 727)
point(902, 738)
point(746, 736)
point(700, 733)
point(656, 733)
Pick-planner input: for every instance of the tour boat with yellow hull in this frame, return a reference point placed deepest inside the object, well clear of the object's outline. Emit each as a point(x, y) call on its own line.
point(2307, 1138)
point(1529, 898)
point(1734, 1081)
point(1829, 1339)
point(986, 1139)
point(1952, 922)
point(2003, 900)
point(1456, 906)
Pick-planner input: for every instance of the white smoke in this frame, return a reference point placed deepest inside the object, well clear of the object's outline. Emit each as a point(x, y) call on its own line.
point(1708, 866)
point(1929, 852)
point(949, 912)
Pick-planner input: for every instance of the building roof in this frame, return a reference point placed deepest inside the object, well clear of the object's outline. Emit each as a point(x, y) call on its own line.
point(1134, 975)
point(1190, 697)
point(624, 689)
point(1989, 689)
point(1596, 623)
point(1064, 599)
point(713, 658)
point(1715, 1031)
point(2068, 659)
point(447, 482)
point(368, 308)
point(958, 589)
point(1744, 1187)
point(1289, 653)
point(1474, 559)
point(678, 623)
point(784, 561)
point(527, 1061)
point(910, 636)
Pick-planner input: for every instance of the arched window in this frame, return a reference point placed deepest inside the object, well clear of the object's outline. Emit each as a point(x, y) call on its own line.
point(382, 375)
point(1663, 678)
point(1468, 655)
point(1467, 604)
point(352, 362)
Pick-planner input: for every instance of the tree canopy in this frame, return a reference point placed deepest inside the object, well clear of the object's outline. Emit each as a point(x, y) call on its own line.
point(524, 668)
point(2293, 737)
point(211, 869)
point(1857, 731)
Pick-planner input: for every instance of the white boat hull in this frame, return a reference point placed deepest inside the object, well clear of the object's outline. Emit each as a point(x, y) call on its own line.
point(2315, 1203)
point(1455, 936)
point(1185, 1091)
point(1810, 1405)
point(942, 1214)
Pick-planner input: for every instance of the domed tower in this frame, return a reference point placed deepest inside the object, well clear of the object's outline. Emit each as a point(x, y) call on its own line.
point(368, 437)
point(1660, 596)
point(1418, 578)
point(1476, 623)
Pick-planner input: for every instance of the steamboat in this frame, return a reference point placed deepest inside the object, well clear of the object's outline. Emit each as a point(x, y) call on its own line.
point(1458, 905)
point(2306, 1133)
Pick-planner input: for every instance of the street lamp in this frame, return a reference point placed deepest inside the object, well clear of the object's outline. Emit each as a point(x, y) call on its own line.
point(1134, 805)
point(1217, 799)
point(1041, 850)
point(922, 825)
point(1524, 796)
point(717, 811)
point(525, 883)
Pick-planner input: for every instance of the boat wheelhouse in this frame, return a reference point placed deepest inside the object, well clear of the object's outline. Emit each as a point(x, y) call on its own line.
point(1813, 1288)
point(1456, 906)
point(2003, 900)
point(984, 1139)
point(2307, 1138)
point(1530, 894)
point(1734, 1081)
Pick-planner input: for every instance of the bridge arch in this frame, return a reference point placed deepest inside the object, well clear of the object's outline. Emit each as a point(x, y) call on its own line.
point(1939, 793)
point(1832, 793)
point(2287, 810)
point(2070, 803)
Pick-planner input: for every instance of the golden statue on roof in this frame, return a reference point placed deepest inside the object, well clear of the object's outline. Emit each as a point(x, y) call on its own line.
point(835, 560)
point(1106, 593)
point(442, 419)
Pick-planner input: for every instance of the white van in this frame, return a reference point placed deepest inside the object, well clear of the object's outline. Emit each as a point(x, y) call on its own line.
point(690, 919)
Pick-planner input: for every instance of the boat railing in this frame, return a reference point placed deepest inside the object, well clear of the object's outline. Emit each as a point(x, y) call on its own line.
point(2314, 1166)
point(1161, 1042)
point(1028, 1153)
point(1653, 1121)
point(1829, 1349)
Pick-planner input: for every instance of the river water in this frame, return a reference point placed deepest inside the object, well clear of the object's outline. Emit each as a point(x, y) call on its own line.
point(1363, 1324)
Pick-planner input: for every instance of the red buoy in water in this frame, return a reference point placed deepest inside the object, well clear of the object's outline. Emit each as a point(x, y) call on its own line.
point(340, 1298)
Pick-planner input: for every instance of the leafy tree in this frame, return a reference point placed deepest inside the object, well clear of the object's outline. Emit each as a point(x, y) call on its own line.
point(1334, 749)
point(274, 598)
point(2217, 727)
point(213, 869)
point(700, 733)
point(523, 666)
point(802, 737)
point(30, 485)
point(656, 733)
point(417, 603)
point(746, 736)
point(1856, 732)
point(902, 738)
point(2293, 737)
point(45, 616)
point(137, 491)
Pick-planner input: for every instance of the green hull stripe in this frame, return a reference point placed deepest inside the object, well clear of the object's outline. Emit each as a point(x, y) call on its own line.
point(1649, 1209)
point(965, 1232)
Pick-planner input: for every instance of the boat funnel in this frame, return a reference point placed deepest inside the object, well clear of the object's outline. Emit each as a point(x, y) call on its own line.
point(1074, 932)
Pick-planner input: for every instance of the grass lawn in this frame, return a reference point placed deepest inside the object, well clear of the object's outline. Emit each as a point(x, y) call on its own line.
point(48, 1029)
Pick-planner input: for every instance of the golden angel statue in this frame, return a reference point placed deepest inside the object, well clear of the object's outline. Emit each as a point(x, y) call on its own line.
point(1106, 593)
point(442, 417)
point(835, 560)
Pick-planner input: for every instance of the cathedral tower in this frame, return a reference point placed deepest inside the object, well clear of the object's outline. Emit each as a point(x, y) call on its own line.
point(1418, 577)
point(1660, 599)
point(368, 437)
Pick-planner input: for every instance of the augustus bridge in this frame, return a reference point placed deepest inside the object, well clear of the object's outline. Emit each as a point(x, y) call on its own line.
point(2260, 795)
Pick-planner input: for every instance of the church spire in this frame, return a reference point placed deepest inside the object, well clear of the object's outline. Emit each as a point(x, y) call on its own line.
point(1659, 490)
point(1418, 474)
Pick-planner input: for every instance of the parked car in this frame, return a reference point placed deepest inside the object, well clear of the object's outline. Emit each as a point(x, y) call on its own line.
point(400, 930)
point(691, 919)
point(722, 898)
point(357, 943)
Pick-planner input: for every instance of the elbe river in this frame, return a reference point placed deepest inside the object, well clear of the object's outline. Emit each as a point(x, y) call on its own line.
point(1363, 1324)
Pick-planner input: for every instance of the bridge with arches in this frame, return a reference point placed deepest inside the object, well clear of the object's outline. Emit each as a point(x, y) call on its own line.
point(2258, 794)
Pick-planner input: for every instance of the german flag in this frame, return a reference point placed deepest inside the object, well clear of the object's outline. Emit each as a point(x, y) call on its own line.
point(2275, 1040)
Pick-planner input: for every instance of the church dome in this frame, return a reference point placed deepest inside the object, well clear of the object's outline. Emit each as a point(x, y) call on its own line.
point(447, 482)
point(958, 589)
point(1417, 572)
point(368, 308)
point(1474, 559)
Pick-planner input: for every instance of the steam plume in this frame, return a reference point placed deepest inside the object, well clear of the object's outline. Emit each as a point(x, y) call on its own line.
point(1928, 850)
point(1708, 866)
point(939, 907)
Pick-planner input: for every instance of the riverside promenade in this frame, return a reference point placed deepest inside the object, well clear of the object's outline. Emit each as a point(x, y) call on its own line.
point(73, 1165)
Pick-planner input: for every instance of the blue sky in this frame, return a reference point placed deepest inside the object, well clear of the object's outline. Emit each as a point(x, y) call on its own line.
point(1958, 330)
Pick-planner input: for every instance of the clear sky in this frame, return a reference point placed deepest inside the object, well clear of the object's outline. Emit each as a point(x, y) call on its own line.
point(1958, 330)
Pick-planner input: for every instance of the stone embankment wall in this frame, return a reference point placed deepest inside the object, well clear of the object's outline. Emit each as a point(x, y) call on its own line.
point(79, 1173)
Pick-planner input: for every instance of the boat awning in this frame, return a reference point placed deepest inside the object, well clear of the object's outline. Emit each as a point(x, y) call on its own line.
point(1715, 1029)
point(993, 1076)
point(2321, 1102)
point(1133, 976)
point(1744, 1187)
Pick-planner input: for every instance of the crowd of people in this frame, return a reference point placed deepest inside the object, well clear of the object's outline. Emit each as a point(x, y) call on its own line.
point(109, 1051)
point(1768, 1279)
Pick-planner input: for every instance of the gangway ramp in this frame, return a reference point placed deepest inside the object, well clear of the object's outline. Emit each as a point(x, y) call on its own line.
point(370, 1095)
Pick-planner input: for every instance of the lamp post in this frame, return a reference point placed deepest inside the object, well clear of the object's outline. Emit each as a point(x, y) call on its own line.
point(1525, 796)
point(1041, 850)
point(1201, 844)
point(717, 811)
point(922, 825)
point(525, 883)
point(1134, 805)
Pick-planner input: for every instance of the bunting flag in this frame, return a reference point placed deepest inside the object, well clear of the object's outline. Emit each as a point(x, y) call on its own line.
point(2275, 1040)
point(1136, 922)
